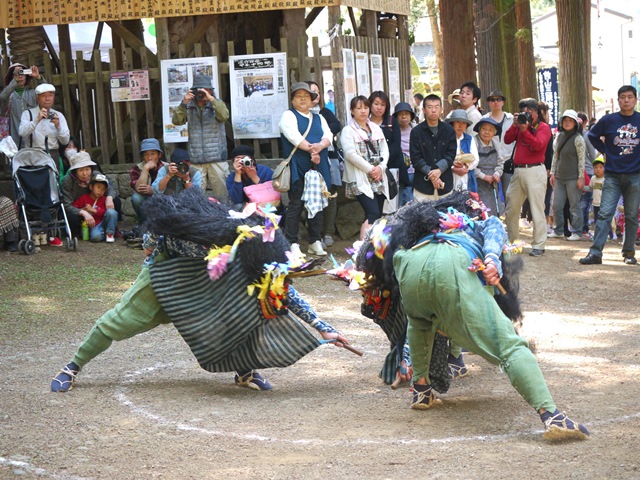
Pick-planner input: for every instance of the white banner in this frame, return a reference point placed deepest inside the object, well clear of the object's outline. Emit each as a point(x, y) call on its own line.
point(259, 95)
point(362, 67)
point(393, 66)
point(377, 82)
point(349, 82)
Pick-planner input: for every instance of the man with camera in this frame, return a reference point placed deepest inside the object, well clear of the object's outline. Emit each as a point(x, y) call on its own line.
point(531, 136)
point(44, 127)
point(246, 173)
point(19, 94)
point(205, 116)
point(179, 175)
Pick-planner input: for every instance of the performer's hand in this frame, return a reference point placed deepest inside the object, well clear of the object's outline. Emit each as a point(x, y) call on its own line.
point(490, 272)
point(405, 377)
point(340, 340)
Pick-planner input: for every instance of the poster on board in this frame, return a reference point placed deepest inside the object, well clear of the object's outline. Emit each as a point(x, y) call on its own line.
point(176, 78)
point(377, 82)
point(393, 66)
point(362, 67)
point(349, 81)
point(259, 97)
point(130, 86)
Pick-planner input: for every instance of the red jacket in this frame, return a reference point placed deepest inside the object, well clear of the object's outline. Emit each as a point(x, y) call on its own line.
point(100, 205)
point(531, 144)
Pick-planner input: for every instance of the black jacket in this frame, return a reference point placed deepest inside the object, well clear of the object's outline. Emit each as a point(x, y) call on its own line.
point(429, 152)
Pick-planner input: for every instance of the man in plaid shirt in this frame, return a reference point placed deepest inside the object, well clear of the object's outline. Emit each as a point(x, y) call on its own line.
point(144, 174)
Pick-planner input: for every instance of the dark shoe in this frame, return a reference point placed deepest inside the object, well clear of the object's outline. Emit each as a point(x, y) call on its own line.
point(253, 380)
point(629, 260)
point(457, 368)
point(423, 397)
point(558, 427)
point(64, 380)
point(591, 259)
point(536, 252)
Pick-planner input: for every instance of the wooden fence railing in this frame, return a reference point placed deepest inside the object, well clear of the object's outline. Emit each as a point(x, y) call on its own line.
point(113, 131)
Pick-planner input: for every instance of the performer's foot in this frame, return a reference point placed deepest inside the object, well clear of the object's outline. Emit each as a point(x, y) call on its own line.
point(558, 427)
point(252, 379)
point(457, 368)
point(424, 397)
point(64, 380)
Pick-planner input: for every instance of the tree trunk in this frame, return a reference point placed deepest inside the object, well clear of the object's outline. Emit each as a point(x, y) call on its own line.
point(492, 69)
point(528, 87)
point(587, 45)
point(459, 62)
point(573, 60)
point(437, 39)
point(512, 91)
point(26, 44)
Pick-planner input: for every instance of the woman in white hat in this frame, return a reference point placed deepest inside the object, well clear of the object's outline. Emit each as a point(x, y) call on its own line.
point(567, 175)
point(76, 184)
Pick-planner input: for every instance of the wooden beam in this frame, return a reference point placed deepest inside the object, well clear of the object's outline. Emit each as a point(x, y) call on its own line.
point(133, 41)
point(97, 40)
point(198, 32)
point(83, 92)
point(119, 120)
point(313, 14)
point(52, 51)
point(353, 20)
point(101, 109)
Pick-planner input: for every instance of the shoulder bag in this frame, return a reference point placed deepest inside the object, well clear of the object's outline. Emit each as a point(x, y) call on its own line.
point(281, 179)
point(391, 181)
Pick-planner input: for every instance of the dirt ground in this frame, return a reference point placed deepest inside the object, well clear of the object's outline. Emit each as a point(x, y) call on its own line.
point(145, 410)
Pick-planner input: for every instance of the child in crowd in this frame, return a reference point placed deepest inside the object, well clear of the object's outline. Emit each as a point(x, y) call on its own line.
point(467, 154)
point(596, 183)
point(405, 116)
point(94, 203)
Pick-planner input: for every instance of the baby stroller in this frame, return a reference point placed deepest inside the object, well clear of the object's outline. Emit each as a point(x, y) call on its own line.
point(37, 192)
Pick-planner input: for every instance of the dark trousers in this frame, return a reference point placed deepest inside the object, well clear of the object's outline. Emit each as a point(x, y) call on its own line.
point(294, 212)
point(372, 206)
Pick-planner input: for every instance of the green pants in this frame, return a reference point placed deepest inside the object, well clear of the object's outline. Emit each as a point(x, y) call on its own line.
point(440, 293)
point(137, 312)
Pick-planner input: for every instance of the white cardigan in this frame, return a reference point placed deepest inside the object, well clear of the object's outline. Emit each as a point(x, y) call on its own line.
point(357, 168)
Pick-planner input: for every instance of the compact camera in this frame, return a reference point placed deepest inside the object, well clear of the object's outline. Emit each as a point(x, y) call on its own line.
point(25, 71)
point(196, 93)
point(375, 160)
point(182, 167)
point(51, 115)
point(245, 161)
point(524, 118)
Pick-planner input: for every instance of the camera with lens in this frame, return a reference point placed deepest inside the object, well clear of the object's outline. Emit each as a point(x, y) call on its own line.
point(51, 115)
point(524, 118)
point(182, 167)
point(25, 71)
point(375, 160)
point(196, 93)
point(245, 161)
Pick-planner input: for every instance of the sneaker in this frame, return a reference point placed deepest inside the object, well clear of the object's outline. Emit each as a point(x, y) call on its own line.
point(64, 380)
point(328, 240)
point(110, 238)
point(423, 397)
point(591, 259)
point(315, 248)
point(558, 427)
point(536, 252)
point(295, 249)
point(554, 235)
point(457, 368)
point(574, 237)
point(55, 242)
point(630, 260)
point(586, 236)
point(253, 380)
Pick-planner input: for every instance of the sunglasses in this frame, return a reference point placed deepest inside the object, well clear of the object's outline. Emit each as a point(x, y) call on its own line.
point(495, 99)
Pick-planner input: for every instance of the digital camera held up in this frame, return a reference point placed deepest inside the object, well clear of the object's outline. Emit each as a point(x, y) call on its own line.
point(196, 93)
point(524, 117)
point(25, 71)
point(245, 161)
point(182, 167)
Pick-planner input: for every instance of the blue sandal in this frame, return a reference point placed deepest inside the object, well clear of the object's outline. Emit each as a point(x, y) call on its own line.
point(253, 380)
point(64, 380)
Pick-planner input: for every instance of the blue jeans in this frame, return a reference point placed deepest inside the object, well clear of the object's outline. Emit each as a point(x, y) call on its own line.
point(136, 202)
point(406, 194)
point(107, 225)
point(585, 201)
point(616, 184)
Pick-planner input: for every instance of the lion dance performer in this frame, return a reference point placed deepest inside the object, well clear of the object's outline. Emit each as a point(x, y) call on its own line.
point(446, 258)
point(224, 281)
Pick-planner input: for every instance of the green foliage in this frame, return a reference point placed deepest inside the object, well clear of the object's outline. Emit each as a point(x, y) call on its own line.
point(415, 68)
point(419, 87)
point(417, 10)
point(524, 34)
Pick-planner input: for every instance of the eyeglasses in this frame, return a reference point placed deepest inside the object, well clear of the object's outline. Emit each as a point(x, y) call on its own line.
point(495, 99)
point(302, 96)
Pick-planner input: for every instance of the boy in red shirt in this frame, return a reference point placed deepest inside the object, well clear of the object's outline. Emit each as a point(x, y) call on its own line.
point(94, 202)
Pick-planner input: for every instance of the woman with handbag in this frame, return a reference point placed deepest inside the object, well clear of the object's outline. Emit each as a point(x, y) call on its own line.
point(249, 181)
point(366, 155)
point(305, 139)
